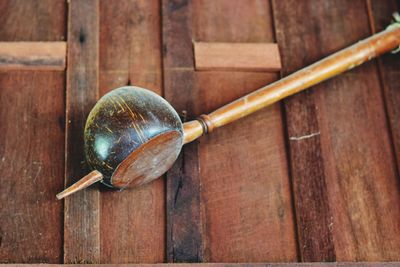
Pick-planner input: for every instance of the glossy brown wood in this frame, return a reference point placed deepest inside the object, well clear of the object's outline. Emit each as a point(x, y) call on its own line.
point(120, 123)
point(149, 161)
point(32, 56)
point(31, 140)
point(81, 210)
point(237, 56)
point(192, 130)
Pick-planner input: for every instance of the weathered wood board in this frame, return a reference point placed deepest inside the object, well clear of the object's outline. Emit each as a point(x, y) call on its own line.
point(342, 164)
point(82, 210)
point(235, 56)
point(130, 54)
point(313, 178)
point(32, 56)
point(31, 140)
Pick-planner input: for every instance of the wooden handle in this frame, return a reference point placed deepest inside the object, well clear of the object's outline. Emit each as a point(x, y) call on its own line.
point(322, 70)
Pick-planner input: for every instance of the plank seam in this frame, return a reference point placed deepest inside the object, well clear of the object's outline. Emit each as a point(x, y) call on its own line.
point(383, 86)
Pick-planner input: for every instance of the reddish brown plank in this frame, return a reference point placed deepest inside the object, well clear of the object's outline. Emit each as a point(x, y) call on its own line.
point(130, 53)
point(389, 66)
point(32, 20)
point(311, 264)
point(344, 177)
point(197, 232)
point(333, 264)
point(32, 55)
point(31, 164)
point(184, 221)
point(184, 217)
point(31, 141)
point(237, 56)
point(82, 210)
point(244, 183)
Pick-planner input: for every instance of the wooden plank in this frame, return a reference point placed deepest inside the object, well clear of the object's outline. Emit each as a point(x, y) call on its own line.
point(244, 181)
point(184, 218)
point(31, 20)
point(311, 264)
point(344, 179)
point(389, 65)
point(31, 164)
point(243, 166)
point(237, 56)
point(130, 53)
point(82, 210)
point(264, 200)
point(31, 142)
point(197, 232)
point(32, 55)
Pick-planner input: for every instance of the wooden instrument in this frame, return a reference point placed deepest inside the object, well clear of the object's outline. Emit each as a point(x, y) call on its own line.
point(132, 136)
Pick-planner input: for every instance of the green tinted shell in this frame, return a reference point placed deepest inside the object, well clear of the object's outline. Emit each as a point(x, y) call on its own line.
point(123, 120)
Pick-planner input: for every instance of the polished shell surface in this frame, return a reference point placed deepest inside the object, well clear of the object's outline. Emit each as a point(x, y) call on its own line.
point(122, 121)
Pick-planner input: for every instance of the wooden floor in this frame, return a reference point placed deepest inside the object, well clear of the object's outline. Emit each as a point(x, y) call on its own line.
point(314, 178)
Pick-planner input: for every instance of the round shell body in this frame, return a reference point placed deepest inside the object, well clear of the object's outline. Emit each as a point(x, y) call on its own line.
point(132, 136)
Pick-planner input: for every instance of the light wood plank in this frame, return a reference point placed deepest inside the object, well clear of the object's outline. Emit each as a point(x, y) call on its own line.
point(32, 56)
point(237, 56)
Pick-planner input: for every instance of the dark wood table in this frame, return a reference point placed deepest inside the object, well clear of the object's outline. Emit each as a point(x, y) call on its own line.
point(313, 178)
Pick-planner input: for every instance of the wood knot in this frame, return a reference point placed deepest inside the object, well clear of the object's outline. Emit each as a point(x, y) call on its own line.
point(82, 36)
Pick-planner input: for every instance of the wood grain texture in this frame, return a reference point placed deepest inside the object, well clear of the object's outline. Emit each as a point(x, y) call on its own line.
point(243, 169)
point(344, 179)
point(130, 54)
point(389, 66)
point(237, 56)
point(32, 56)
point(33, 20)
point(31, 142)
point(81, 210)
point(31, 164)
point(185, 224)
point(184, 217)
point(324, 69)
point(227, 197)
point(330, 264)
point(211, 226)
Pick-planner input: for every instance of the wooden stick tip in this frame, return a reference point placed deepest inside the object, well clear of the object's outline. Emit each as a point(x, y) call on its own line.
point(83, 183)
